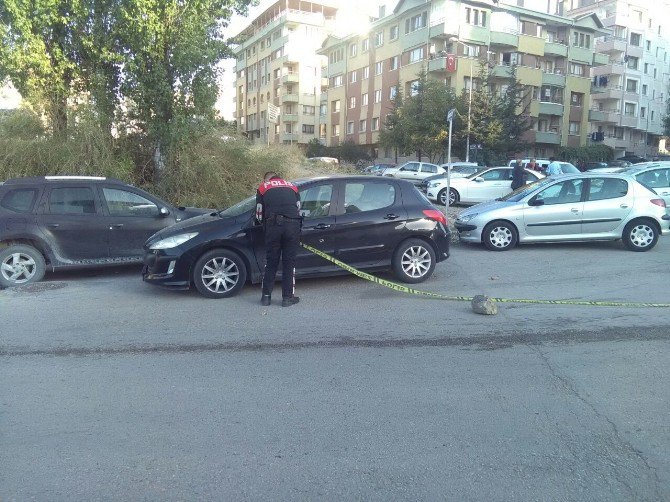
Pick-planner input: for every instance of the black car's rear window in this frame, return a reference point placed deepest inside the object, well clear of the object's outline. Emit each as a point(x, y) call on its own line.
point(20, 200)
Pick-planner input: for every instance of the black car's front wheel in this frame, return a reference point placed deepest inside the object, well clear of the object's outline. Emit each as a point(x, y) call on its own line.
point(20, 264)
point(414, 261)
point(219, 273)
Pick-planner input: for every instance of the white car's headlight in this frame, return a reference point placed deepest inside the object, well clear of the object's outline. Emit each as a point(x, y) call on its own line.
point(466, 218)
point(173, 242)
point(434, 184)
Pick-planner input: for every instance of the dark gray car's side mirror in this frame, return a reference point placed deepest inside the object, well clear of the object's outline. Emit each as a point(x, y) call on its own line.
point(164, 211)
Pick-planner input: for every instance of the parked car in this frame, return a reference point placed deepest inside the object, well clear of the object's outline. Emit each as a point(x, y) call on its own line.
point(491, 183)
point(542, 163)
point(414, 171)
point(654, 175)
point(457, 171)
point(377, 169)
point(59, 222)
point(327, 160)
point(368, 223)
point(589, 166)
point(583, 207)
point(633, 159)
point(618, 163)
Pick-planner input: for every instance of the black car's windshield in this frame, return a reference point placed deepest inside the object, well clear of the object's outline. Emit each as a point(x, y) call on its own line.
point(240, 208)
point(521, 192)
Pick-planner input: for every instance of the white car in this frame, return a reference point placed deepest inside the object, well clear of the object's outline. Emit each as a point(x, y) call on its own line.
point(654, 175)
point(489, 184)
point(414, 171)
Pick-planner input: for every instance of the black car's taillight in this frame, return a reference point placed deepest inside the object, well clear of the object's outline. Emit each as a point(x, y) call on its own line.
point(435, 215)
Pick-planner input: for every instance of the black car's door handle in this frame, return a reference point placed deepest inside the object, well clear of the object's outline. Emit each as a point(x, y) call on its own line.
point(116, 225)
point(321, 226)
point(390, 216)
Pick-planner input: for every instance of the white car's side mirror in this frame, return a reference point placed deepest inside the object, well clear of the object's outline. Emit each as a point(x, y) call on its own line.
point(479, 179)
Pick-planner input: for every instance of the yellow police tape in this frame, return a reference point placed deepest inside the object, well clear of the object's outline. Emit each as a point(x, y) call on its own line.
point(437, 296)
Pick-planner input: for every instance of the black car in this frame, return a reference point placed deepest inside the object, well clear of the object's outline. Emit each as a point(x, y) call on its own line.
point(368, 223)
point(57, 222)
point(633, 159)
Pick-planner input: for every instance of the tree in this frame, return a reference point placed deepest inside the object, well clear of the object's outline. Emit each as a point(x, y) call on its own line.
point(666, 118)
point(393, 135)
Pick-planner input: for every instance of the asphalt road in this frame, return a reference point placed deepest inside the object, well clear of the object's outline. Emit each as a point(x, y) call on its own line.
point(112, 389)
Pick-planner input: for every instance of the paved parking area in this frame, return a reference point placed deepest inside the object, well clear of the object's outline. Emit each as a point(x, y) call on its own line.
point(111, 386)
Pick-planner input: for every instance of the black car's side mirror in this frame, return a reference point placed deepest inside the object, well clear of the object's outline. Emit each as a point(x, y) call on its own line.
point(164, 211)
point(536, 202)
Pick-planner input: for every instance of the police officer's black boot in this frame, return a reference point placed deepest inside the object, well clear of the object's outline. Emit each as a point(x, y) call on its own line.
point(265, 300)
point(291, 300)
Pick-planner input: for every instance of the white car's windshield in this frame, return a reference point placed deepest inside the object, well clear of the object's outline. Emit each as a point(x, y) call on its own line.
point(525, 190)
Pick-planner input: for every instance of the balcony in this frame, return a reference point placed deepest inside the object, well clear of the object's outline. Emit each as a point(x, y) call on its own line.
point(547, 108)
point(437, 64)
point(473, 34)
point(600, 59)
point(555, 79)
point(290, 78)
point(531, 45)
point(555, 49)
point(616, 143)
point(501, 71)
point(289, 137)
point(611, 44)
point(290, 98)
point(581, 55)
point(546, 137)
point(635, 51)
point(414, 38)
point(611, 92)
point(504, 38)
point(289, 117)
point(628, 120)
point(609, 69)
point(442, 29)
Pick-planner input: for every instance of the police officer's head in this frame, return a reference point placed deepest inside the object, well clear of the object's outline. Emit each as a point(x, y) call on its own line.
point(269, 175)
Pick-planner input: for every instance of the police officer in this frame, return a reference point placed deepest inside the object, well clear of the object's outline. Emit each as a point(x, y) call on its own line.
point(278, 208)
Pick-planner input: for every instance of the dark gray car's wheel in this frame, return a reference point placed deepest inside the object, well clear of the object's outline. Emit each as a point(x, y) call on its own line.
point(219, 273)
point(640, 235)
point(20, 264)
point(499, 236)
point(454, 197)
point(414, 261)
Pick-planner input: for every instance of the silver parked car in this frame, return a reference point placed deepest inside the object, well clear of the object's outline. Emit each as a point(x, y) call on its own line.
point(570, 207)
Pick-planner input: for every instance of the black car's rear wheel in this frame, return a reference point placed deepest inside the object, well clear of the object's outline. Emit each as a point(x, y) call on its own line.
point(20, 264)
point(414, 261)
point(219, 273)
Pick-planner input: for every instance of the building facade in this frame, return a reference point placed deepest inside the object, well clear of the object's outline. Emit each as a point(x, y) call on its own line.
point(630, 92)
point(450, 39)
point(278, 66)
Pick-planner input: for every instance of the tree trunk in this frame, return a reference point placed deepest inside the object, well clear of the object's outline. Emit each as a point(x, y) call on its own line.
point(59, 116)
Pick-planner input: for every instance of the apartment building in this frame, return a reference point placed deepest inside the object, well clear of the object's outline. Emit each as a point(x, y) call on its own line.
point(451, 39)
point(278, 70)
point(630, 92)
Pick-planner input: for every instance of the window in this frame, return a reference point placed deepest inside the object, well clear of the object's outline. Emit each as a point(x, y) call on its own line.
point(416, 55)
point(646, 68)
point(352, 102)
point(336, 81)
point(308, 110)
point(392, 91)
point(335, 106)
point(565, 192)
point(576, 99)
point(336, 129)
point(577, 69)
point(378, 96)
point(607, 188)
point(71, 201)
point(375, 123)
point(476, 17)
point(362, 125)
point(656, 178)
point(429, 168)
point(379, 67)
point(393, 63)
point(416, 22)
point(497, 175)
point(379, 38)
point(644, 89)
point(366, 44)
point(124, 203)
point(412, 167)
point(652, 115)
point(366, 72)
point(635, 39)
point(629, 109)
point(633, 62)
point(350, 127)
point(393, 32)
point(323, 110)
point(308, 128)
point(368, 196)
point(20, 201)
point(631, 85)
point(581, 40)
point(364, 99)
point(353, 50)
point(643, 112)
point(353, 76)
point(336, 56)
point(574, 128)
point(472, 51)
point(649, 42)
point(315, 201)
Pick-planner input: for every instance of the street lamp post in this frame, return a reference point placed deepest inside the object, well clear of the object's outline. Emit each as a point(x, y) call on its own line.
point(467, 140)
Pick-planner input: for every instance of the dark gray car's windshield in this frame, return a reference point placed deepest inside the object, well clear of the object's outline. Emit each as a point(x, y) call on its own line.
point(240, 208)
point(521, 192)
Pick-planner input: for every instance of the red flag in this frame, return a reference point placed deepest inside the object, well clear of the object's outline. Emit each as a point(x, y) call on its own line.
point(451, 63)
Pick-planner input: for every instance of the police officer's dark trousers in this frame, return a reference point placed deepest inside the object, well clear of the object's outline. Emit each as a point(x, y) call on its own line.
point(282, 239)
